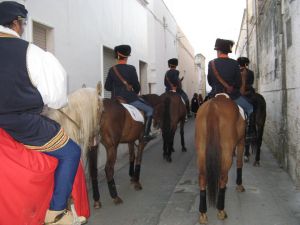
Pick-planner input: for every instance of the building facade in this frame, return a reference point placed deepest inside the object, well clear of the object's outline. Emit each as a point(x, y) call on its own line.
point(272, 45)
point(82, 35)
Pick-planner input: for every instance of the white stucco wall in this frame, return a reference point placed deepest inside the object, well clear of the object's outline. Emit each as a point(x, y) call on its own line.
point(291, 11)
point(80, 29)
point(279, 81)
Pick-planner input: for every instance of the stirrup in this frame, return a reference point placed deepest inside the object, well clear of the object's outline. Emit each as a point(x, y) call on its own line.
point(148, 138)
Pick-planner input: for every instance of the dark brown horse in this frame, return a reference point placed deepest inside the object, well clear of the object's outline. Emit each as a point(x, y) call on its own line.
point(220, 129)
point(256, 132)
point(169, 111)
point(117, 126)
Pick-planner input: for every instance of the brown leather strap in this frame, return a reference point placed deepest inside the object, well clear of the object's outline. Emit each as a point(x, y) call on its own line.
point(173, 87)
point(219, 78)
point(128, 86)
point(244, 74)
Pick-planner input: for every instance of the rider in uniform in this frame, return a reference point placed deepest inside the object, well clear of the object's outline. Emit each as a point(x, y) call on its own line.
point(229, 71)
point(249, 94)
point(173, 83)
point(31, 78)
point(122, 81)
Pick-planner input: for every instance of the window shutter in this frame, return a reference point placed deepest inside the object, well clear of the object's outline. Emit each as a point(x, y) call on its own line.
point(39, 36)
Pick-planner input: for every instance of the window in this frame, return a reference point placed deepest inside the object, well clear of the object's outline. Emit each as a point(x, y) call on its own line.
point(40, 35)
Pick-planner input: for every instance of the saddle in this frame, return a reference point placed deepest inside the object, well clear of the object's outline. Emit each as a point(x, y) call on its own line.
point(135, 113)
point(241, 110)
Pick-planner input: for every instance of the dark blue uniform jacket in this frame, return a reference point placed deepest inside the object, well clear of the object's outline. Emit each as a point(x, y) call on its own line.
point(173, 76)
point(229, 70)
point(117, 88)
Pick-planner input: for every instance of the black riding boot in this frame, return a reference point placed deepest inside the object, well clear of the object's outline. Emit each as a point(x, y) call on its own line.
point(147, 137)
point(188, 109)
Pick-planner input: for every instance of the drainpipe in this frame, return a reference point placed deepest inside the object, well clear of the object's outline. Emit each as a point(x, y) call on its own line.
point(257, 45)
point(247, 29)
point(284, 104)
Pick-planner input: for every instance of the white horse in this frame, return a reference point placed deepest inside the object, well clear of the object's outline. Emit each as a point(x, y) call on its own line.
point(81, 117)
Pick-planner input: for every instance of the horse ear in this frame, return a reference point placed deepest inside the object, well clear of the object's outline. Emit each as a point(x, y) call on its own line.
point(99, 88)
point(83, 86)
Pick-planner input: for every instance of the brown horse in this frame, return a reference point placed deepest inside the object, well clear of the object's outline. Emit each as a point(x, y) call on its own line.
point(259, 114)
point(220, 129)
point(174, 112)
point(117, 126)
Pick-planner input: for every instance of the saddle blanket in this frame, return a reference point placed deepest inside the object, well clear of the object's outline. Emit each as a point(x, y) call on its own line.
point(27, 182)
point(242, 112)
point(134, 112)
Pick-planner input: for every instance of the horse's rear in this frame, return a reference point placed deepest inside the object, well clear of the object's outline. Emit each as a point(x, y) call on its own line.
point(117, 126)
point(256, 130)
point(219, 130)
point(173, 111)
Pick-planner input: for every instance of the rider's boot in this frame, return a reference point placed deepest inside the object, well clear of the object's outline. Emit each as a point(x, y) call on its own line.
point(188, 109)
point(147, 136)
point(63, 217)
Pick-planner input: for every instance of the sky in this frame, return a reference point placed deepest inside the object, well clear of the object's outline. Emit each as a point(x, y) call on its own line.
point(203, 21)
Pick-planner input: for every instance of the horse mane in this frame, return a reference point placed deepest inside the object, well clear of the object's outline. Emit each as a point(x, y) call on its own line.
point(81, 117)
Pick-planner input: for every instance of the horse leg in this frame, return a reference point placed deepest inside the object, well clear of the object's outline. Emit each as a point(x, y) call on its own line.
point(247, 153)
point(137, 168)
point(258, 145)
point(131, 160)
point(182, 135)
point(202, 184)
point(239, 165)
point(165, 145)
point(93, 158)
point(170, 146)
point(226, 163)
point(109, 171)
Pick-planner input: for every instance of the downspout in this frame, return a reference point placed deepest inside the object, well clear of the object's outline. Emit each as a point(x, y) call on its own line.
point(257, 46)
point(284, 104)
point(247, 29)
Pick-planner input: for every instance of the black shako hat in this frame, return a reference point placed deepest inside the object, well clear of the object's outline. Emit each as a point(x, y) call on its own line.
point(243, 61)
point(224, 45)
point(10, 11)
point(122, 50)
point(173, 62)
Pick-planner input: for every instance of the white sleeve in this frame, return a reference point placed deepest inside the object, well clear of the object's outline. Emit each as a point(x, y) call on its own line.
point(48, 76)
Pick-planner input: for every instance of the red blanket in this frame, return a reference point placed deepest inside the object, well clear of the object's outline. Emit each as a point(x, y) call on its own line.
point(27, 181)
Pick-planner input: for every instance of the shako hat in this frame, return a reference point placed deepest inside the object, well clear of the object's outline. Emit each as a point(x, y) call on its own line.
point(173, 62)
point(243, 61)
point(224, 45)
point(123, 50)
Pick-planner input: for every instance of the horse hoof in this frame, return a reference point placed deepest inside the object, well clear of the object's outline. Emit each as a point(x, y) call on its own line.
point(138, 186)
point(97, 205)
point(203, 218)
point(240, 188)
point(256, 163)
point(118, 200)
point(184, 150)
point(246, 159)
point(222, 215)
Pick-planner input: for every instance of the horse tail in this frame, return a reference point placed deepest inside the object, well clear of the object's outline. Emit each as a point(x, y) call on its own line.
point(213, 162)
point(166, 118)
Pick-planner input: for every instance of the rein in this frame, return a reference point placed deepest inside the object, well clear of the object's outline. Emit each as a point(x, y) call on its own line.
point(76, 124)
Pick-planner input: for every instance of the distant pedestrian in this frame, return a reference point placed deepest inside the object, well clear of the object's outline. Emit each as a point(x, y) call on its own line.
point(195, 104)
